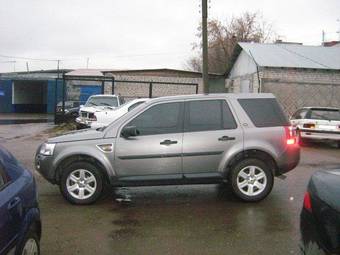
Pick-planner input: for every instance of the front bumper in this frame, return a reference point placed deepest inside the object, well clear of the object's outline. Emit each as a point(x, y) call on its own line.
point(44, 165)
point(83, 121)
point(320, 134)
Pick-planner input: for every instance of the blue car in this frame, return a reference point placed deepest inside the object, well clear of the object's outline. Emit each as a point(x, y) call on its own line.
point(20, 225)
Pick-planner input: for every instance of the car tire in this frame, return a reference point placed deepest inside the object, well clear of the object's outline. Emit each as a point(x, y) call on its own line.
point(251, 180)
point(81, 183)
point(300, 140)
point(338, 144)
point(311, 248)
point(30, 244)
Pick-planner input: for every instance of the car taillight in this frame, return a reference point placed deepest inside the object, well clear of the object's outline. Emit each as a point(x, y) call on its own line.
point(290, 135)
point(307, 203)
point(309, 125)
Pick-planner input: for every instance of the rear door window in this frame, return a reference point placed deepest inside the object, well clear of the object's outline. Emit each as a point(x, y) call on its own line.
point(205, 115)
point(264, 112)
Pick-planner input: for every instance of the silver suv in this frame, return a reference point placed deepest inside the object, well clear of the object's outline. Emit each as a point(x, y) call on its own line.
point(240, 139)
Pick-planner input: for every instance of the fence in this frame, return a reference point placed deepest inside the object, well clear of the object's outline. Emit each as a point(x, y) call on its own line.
point(77, 89)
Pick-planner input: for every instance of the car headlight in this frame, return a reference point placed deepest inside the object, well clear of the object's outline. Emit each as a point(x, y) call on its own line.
point(47, 149)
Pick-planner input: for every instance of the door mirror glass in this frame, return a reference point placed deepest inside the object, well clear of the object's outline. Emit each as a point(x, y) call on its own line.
point(129, 131)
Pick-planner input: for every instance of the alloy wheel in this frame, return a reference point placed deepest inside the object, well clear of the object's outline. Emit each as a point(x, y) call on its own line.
point(251, 180)
point(81, 184)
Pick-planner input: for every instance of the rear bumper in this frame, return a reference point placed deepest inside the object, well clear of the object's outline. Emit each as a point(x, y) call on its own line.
point(320, 134)
point(289, 159)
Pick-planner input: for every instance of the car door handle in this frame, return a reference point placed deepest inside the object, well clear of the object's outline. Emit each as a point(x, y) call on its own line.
point(14, 203)
point(168, 142)
point(226, 138)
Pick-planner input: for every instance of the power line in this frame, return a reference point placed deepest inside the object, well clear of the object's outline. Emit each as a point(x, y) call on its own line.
point(34, 59)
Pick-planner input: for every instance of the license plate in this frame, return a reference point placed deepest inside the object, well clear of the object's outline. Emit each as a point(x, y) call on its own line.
point(327, 127)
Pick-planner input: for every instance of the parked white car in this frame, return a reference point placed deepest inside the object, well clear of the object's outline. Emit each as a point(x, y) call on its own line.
point(317, 123)
point(104, 118)
point(94, 104)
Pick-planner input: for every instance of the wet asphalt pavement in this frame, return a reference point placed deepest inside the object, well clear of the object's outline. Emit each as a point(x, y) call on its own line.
point(199, 219)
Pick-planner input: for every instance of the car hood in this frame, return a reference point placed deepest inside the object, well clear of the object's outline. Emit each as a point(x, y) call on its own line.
point(93, 109)
point(326, 186)
point(79, 135)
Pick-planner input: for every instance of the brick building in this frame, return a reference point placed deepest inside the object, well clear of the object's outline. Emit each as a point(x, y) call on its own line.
point(297, 75)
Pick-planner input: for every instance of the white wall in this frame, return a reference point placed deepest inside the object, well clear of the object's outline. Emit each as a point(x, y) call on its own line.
point(244, 65)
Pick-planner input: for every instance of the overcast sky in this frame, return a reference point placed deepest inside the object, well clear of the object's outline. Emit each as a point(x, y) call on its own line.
point(137, 34)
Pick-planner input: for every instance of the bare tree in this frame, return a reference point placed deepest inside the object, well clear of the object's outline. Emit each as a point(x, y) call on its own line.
point(223, 37)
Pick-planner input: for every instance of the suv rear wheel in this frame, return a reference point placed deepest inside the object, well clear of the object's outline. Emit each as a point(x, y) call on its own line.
point(251, 180)
point(81, 183)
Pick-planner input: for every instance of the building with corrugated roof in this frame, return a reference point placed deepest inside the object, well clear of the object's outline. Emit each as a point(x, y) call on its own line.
point(298, 75)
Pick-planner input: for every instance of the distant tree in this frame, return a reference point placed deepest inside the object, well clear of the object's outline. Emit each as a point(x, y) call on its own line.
point(223, 37)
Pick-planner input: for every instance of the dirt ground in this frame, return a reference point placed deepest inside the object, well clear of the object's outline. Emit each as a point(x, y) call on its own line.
point(198, 219)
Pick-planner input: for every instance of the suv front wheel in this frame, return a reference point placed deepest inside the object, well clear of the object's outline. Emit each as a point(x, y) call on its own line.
point(81, 183)
point(251, 180)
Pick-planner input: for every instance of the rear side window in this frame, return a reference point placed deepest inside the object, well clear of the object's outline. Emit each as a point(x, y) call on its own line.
point(208, 115)
point(325, 114)
point(300, 114)
point(264, 112)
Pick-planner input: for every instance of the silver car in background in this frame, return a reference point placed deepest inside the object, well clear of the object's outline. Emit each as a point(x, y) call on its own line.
point(242, 140)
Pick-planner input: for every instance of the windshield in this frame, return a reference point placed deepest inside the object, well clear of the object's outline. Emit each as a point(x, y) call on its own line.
point(325, 114)
point(102, 101)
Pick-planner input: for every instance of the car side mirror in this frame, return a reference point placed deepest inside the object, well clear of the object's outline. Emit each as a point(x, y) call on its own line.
point(129, 131)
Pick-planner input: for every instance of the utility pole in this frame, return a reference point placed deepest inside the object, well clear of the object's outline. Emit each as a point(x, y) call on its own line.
point(323, 37)
point(87, 63)
point(27, 67)
point(205, 46)
point(58, 63)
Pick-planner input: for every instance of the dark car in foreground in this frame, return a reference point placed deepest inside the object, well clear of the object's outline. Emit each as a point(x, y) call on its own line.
point(320, 216)
point(20, 225)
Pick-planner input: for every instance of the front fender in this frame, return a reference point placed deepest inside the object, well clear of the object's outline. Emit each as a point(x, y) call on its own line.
point(32, 217)
point(88, 151)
